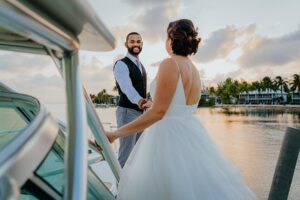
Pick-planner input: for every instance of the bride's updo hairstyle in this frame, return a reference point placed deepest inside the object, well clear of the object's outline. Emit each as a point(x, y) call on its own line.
point(184, 37)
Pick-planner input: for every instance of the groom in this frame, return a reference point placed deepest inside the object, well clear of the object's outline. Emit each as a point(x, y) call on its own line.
point(131, 82)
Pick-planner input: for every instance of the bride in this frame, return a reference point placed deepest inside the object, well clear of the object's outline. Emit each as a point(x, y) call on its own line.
point(175, 158)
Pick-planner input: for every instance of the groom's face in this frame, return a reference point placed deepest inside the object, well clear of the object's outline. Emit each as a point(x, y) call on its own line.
point(134, 44)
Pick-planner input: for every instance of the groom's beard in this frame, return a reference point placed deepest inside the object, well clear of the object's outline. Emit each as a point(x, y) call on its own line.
point(134, 52)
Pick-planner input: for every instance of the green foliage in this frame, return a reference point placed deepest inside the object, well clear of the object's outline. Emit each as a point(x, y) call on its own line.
point(102, 98)
point(295, 83)
point(206, 103)
point(281, 84)
point(229, 90)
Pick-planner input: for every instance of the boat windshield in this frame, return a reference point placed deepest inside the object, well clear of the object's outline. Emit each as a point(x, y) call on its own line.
point(11, 123)
point(16, 111)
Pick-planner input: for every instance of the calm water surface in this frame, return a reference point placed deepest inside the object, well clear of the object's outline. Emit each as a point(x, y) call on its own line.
point(250, 137)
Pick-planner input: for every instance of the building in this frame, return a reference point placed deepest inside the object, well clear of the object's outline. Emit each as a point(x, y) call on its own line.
point(295, 98)
point(205, 96)
point(267, 96)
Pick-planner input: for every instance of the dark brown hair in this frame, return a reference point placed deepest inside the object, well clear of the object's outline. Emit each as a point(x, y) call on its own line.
point(184, 37)
point(131, 33)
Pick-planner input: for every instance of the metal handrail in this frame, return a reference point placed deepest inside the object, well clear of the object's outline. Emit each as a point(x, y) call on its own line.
point(43, 31)
point(8, 188)
point(94, 124)
point(76, 145)
point(98, 131)
point(17, 18)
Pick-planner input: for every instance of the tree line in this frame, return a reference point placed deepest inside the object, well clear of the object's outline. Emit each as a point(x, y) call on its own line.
point(103, 98)
point(227, 89)
point(233, 88)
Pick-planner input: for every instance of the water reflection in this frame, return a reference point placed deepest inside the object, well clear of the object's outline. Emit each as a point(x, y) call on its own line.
point(252, 138)
point(261, 112)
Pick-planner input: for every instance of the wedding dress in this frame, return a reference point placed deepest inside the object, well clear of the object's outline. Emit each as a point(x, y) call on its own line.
point(175, 159)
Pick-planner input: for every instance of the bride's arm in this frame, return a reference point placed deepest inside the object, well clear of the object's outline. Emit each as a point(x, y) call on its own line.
point(166, 83)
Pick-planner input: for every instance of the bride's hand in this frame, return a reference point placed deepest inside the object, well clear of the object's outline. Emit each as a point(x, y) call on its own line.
point(148, 104)
point(95, 144)
point(111, 136)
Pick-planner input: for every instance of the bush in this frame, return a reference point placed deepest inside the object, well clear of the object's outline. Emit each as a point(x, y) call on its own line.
point(206, 102)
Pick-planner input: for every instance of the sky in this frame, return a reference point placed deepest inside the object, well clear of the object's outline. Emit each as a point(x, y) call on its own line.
point(240, 39)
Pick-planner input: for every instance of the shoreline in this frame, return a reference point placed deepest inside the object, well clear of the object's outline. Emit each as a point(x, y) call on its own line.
point(257, 105)
point(260, 106)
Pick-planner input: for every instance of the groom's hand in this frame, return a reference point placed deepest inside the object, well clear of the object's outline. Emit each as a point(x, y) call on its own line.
point(141, 103)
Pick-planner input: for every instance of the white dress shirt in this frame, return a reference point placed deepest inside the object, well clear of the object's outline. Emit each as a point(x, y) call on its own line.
point(121, 73)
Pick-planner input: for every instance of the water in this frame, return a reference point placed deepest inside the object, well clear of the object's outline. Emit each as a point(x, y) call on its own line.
point(250, 137)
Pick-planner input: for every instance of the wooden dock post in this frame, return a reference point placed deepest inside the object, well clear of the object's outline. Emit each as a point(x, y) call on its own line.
point(286, 163)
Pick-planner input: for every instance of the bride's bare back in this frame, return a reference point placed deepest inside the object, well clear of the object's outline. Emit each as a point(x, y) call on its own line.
point(190, 79)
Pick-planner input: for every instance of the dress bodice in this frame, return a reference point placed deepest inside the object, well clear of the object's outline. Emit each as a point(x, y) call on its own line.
point(178, 105)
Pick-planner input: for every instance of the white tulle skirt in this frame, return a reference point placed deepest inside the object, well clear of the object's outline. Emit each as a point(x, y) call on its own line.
point(175, 159)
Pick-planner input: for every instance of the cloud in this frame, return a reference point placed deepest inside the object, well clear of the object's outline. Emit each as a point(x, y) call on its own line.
point(222, 42)
point(263, 51)
point(47, 89)
point(154, 20)
point(253, 55)
point(22, 63)
point(35, 74)
point(32, 75)
point(97, 77)
point(120, 32)
point(253, 74)
point(150, 18)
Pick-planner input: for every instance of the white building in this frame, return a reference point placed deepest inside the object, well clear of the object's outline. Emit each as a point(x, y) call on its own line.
point(295, 98)
point(267, 96)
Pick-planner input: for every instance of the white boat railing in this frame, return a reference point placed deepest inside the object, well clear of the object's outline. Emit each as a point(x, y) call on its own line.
point(34, 141)
point(39, 28)
point(8, 188)
point(94, 123)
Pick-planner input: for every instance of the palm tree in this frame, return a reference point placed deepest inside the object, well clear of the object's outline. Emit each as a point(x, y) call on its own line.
point(281, 84)
point(223, 92)
point(92, 96)
point(256, 85)
point(295, 83)
point(227, 90)
point(212, 90)
point(267, 83)
point(243, 86)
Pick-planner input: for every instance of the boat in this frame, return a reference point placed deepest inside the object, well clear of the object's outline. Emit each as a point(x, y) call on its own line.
point(40, 156)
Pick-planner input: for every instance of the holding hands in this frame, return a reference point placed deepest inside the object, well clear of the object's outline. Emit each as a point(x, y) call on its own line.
point(145, 103)
point(113, 135)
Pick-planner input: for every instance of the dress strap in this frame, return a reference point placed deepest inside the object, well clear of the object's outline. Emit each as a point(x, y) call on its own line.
point(177, 65)
point(177, 68)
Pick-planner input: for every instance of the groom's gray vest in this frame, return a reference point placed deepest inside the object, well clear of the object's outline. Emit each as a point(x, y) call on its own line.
point(139, 83)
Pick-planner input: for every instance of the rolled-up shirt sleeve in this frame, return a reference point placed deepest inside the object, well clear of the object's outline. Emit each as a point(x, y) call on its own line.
point(121, 73)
